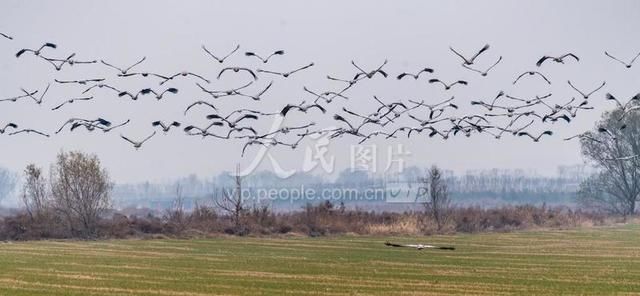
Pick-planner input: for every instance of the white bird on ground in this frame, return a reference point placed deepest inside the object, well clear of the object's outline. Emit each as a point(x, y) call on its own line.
point(418, 246)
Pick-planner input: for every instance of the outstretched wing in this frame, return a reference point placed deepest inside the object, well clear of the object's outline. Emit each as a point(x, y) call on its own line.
point(618, 60)
point(574, 88)
point(111, 66)
point(222, 71)
point(543, 77)
point(229, 54)
point(634, 58)
point(6, 36)
point(435, 80)
point(465, 61)
point(597, 89)
point(250, 72)
point(212, 55)
point(483, 49)
point(541, 60)
point(128, 140)
point(149, 137)
point(264, 90)
point(135, 64)
point(494, 64)
point(399, 77)
point(570, 55)
point(305, 67)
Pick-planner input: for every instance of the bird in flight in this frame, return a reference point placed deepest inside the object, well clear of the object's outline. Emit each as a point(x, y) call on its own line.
point(236, 70)
point(508, 128)
point(232, 123)
point(529, 101)
point(41, 98)
point(159, 94)
point(216, 94)
point(352, 130)
point(165, 127)
point(70, 101)
point(301, 107)
point(81, 82)
point(138, 144)
point(36, 52)
point(448, 86)
point(349, 83)
point(573, 110)
point(483, 72)
point(555, 118)
point(286, 74)
point(416, 75)
point(237, 130)
point(626, 107)
point(606, 131)
point(586, 135)
point(69, 60)
point(264, 142)
point(123, 71)
point(102, 85)
point(264, 60)
point(559, 59)
point(15, 99)
point(220, 60)
point(257, 96)
point(95, 122)
point(375, 134)
point(204, 132)
point(324, 95)
point(134, 96)
point(531, 73)
point(198, 103)
point(145, 75)
point(184, 74)
point(419, 246)
point(628, 65)
point(369, 74)
point(586, 95)
point(112, 127)
point(29, 131)
point(535, 138)
point(435, 110)
point(470, 61)
point(487, 105)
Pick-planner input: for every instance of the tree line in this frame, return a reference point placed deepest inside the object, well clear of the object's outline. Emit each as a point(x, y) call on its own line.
point(75, 201)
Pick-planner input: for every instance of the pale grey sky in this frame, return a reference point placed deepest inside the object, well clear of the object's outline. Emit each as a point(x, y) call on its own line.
point(410, 34)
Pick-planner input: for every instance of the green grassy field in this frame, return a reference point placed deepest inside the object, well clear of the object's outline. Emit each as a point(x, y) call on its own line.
point(590, 261)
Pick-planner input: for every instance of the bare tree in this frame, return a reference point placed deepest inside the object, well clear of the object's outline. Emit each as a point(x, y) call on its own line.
point(614, 149)
point(34, 192)
point(434, 190)
point(175, 216)
point(232, 204)
point(593, 194)
point(81, 191)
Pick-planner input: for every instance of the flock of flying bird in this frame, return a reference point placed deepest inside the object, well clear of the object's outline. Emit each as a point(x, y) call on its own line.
point(432, 119)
